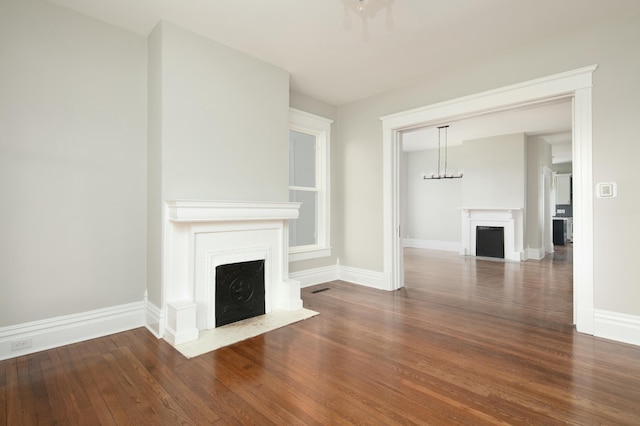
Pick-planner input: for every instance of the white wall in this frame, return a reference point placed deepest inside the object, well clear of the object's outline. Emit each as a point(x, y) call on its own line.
point(432, 206)
point(154, 167)
point(615, 112)
point(359, 191)
point(494, 172)
point(225, 118)
point(72, 163)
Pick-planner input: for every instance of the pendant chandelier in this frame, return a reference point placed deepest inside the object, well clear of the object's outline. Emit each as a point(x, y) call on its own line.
point(442, 173)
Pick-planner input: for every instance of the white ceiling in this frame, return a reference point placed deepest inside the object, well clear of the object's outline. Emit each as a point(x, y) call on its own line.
point(333, 57)
point(551, 122)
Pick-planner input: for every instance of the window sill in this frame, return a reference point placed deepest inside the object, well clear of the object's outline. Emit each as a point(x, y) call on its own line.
point(306, 253)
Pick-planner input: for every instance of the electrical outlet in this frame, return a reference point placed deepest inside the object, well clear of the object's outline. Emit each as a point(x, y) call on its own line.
point(18, 345)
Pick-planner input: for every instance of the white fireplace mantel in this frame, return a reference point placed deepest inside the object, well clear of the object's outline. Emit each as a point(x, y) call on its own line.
point(511, 219)
point(216, 211)
point(201, 235)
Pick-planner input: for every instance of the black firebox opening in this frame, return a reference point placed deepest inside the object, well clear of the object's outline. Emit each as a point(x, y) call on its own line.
point(239, 291)
point(490, 241)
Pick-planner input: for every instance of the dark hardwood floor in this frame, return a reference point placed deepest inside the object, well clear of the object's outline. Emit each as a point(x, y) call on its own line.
point(467, 341)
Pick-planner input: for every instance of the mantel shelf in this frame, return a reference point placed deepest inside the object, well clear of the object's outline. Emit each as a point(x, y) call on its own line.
point(491, 208)
point(217, 211)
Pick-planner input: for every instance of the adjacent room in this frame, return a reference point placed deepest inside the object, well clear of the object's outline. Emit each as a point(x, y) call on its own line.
point(490, 162)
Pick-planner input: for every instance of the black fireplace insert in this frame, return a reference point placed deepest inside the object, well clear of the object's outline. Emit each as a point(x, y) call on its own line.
point(240, 291)
point(490, 241)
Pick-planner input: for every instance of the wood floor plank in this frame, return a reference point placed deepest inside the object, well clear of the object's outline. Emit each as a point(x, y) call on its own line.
point(79, 393)
point(312, 390)
point(149, 395)
point(299, 398)
point(205, 379)
point(195, 406)
point(13, 391)
point(81, 366)
point(403, 370)
point(389, 407)
point(31, 405)
point(4, 393)
point(243, 377)
point(60, 394)
point(105, 386)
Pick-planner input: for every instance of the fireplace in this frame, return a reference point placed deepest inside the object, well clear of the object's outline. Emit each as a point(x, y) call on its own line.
point(490, 241)
point(200, 237)
point(239, 291)
point(509, 219)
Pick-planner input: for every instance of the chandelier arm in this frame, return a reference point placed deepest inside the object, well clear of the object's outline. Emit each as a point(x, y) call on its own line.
point(439, 152)
point(446, 150)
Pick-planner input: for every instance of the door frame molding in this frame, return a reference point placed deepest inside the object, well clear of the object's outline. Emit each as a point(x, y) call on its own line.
point(575, 84)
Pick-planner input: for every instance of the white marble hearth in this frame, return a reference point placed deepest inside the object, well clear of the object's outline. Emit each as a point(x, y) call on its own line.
point(511, 219)
point(201, 235)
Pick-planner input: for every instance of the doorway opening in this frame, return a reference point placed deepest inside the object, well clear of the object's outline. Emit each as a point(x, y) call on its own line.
point(575, 85)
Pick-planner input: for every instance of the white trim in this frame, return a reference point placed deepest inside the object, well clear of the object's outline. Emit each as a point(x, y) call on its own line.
point(577, 84)
point(503, 98)
point(306, 120)
point(67, 329)
point(181, 322)
point(616, 326)
point(362, 277)
point(308, 252)
point(315, 276)
point(432, 244)
point(535, 253)
point(154, 318)
point(583, 281)
point(238, 211)
point(326, 274)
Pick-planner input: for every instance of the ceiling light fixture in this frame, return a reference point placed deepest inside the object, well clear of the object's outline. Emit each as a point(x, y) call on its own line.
point(367, 9)
point(442, 174)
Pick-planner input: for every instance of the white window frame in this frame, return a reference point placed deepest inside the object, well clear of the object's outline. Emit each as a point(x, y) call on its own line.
point(320, 127)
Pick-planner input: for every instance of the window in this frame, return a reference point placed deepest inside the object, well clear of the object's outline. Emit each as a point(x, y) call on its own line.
point(309, 184)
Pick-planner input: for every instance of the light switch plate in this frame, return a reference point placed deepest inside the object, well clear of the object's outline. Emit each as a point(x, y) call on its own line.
point(606, 190)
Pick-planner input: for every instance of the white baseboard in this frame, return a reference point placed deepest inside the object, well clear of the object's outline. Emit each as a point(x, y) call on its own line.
point(616, 326)
point(315, 276)
point(64, 330)
point(336, 272)
point(154, 319)
point(535, 253)
point(432, 244)
point(362, 277)
point(585, 319)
